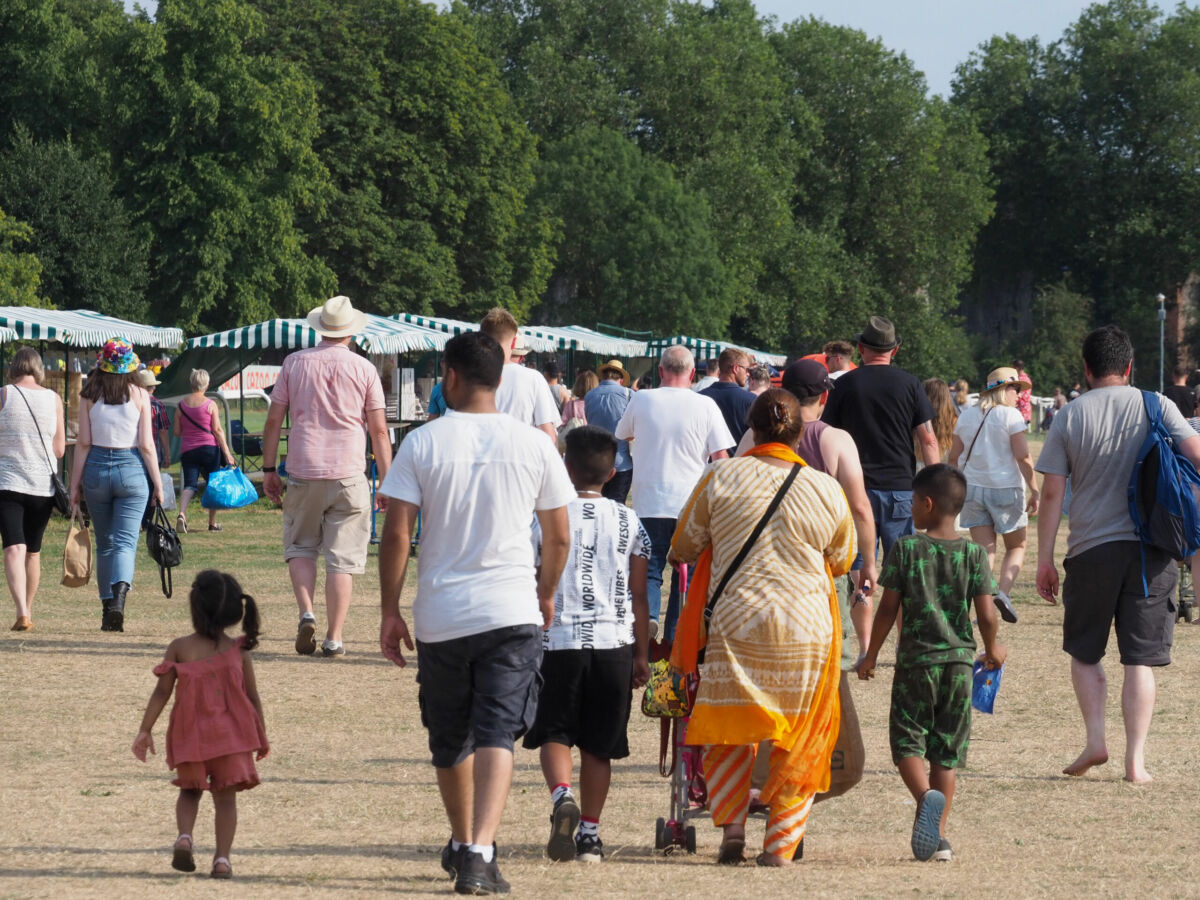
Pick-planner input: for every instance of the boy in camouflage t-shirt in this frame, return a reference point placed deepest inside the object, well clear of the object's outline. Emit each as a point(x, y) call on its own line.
point(934, 578)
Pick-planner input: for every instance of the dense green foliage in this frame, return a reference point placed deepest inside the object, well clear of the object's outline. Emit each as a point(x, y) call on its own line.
point(671, 165)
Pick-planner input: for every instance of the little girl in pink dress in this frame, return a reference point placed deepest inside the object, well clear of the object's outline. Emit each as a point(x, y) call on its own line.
point(216, 730)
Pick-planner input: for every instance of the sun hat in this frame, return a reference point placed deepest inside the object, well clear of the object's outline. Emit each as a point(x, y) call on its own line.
point(1003, 377)
point(337, 318)
point(146, 378)
point(613, 365)
point(880, 334)
point(806, 378)
point(117, 358)
point(521, 348)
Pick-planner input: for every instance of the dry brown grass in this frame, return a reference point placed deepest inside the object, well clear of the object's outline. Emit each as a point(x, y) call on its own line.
point(348, 804)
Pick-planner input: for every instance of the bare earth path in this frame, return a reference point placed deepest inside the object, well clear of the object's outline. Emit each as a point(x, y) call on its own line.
point(348, 804)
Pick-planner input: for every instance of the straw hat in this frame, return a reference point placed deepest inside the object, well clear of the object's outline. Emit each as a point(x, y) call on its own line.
point(521, 349)
point(613, 365)
point(337, 318)
point(1004, 376)
point(147, 379)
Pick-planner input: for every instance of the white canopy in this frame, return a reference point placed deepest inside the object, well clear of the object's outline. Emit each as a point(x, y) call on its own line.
point(381, 336)
point(82, 328)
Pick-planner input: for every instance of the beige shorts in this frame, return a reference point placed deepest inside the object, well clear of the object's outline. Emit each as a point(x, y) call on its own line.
point(332, 518)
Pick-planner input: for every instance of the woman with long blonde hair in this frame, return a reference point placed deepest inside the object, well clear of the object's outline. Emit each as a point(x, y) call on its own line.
point(944, 416)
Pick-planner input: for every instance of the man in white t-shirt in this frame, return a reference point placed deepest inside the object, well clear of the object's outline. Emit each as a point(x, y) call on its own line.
point(673, 432)
point(477, 477)
point(523, 393)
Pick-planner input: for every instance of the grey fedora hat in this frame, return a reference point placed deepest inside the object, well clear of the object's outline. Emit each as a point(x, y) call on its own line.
point(880, 334)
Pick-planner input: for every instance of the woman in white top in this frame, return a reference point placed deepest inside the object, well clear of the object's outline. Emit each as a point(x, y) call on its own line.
point(116, 471)
point(990, 439)
point(31, 421)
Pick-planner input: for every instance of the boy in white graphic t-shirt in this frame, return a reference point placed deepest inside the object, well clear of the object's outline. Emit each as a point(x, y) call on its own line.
point(595, 649)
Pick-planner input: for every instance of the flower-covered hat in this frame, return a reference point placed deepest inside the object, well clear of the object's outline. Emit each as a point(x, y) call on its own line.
point(118, 358)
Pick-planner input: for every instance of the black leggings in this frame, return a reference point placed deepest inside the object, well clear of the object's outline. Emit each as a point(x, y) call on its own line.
point(23, 519)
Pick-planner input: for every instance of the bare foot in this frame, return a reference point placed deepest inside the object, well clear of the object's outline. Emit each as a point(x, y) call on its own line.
point(1085, 761)
point(1138, 776)
point(771, 861)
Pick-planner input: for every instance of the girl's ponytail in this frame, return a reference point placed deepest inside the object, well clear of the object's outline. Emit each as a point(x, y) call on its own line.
point(250, 623)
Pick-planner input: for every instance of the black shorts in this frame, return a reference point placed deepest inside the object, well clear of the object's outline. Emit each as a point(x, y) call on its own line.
point(197, 463)
point(585, 701)
point(23, 519)
point(1104, 585)
point(478, 691)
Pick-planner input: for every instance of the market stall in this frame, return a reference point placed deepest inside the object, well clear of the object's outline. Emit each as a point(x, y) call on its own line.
point(709, 349)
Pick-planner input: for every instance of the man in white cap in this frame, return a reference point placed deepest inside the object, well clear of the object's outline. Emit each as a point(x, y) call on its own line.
point(523, 393)
point(330, 393)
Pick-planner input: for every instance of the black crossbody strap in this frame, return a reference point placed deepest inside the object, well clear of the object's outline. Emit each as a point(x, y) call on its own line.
point(41, 440)
point(183, 409)
point(758, 530)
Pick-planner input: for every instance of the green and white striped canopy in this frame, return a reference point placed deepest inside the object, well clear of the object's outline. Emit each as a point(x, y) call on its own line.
point(455, 326)
point(381, 336)
point(82, 328)
point(603, 344)
point(704, 349)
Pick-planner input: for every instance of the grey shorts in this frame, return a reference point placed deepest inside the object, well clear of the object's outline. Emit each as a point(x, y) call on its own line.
point(1002, 509)
point(1104, 586)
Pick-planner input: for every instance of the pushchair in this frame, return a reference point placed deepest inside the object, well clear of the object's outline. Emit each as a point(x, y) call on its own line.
point(680, 764)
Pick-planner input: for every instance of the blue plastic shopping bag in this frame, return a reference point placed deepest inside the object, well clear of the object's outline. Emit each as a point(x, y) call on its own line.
point(986, 686)
point(228, 488)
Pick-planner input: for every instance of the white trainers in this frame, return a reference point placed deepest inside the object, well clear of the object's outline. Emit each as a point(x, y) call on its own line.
point(332, 648)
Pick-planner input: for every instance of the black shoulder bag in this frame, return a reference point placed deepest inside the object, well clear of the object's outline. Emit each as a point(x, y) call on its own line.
point(62, 500)
point(162, 543)
point(754, 535)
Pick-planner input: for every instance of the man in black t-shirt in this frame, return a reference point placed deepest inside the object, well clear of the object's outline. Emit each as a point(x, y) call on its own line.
point(1182, 395)
point(885, 409)
point(729, 392)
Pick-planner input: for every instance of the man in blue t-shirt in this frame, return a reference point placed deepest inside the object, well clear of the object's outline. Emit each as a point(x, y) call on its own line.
point(603, 407)
point(729, 392)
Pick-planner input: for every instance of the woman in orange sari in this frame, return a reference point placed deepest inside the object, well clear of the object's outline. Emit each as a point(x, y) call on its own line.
point(770, 669)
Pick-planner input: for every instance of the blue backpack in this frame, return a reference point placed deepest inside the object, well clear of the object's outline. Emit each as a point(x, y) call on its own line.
point(1164, 490)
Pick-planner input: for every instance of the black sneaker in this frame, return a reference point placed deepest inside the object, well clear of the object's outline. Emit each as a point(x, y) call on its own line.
point(479, 877)
point(306, 644)
point(589, 848)
point(563, 822)
point(452, 859)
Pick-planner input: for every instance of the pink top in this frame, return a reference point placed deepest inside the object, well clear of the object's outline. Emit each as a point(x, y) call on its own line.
point(573, 409)
point(212, 715)
point(193, 422)
point(328, 391)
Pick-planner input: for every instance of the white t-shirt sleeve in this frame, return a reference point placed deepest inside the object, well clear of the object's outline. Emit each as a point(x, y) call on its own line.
point(719, 436)
point(401, 479)
point(545, 410)
point(556, 489)
point(641, 540)
point(1016, 422)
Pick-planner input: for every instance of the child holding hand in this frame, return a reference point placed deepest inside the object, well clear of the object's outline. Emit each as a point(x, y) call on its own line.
point(216, 729)
point(933, 578)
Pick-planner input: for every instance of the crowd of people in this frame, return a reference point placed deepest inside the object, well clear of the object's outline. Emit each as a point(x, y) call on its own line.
point(551, 522)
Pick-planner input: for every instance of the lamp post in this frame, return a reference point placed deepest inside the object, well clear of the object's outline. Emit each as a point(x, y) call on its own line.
point(1162, 326)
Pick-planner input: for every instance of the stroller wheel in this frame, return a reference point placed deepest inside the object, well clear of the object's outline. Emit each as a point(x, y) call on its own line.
point(660, 838)
point(689, 839)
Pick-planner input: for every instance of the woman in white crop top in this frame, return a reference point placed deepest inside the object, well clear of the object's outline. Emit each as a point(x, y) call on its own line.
point(115, 471)
point(31, 421)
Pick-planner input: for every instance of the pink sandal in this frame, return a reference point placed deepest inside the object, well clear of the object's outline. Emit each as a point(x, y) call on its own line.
point(221, 868)
point(182, 860)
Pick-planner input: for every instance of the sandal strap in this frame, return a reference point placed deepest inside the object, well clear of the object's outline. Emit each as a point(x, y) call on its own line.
point(184, 837)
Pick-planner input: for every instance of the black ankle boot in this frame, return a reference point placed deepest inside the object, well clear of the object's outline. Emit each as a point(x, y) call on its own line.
point(114, 609)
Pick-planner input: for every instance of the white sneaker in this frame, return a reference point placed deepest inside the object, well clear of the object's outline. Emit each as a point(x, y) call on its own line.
point(332, 648)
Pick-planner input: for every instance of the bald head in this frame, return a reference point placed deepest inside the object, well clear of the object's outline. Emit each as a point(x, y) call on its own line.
point(676, 366)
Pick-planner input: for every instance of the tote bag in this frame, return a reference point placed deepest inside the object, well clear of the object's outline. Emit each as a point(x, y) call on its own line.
point(77, 554)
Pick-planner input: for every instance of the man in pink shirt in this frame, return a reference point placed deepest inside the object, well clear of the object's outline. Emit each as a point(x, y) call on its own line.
point(331, 394)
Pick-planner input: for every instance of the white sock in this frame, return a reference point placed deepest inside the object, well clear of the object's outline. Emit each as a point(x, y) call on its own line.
point(589, 829)
point(560, 791)
point(456, 845)
point(484, 851)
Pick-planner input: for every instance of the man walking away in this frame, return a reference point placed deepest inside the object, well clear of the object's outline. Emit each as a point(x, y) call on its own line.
point(330, 393)
point(1110, 575)
point(885, 409)
point(477, 477)
point(672, 432)
point(523, 393)
point(603, 407)
point(1180, 394)
point(729, 392)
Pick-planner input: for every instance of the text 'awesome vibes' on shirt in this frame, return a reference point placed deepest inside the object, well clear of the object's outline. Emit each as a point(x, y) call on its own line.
point(593, 609)
point(478, 479)
point(880, 406)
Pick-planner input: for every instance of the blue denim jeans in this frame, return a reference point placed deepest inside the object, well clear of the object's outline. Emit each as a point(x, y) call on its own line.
point(116, 490)
point(893, 517)
point(660, 532)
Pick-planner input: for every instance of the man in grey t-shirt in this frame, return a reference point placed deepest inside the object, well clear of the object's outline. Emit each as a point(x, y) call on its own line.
point(1110, 576)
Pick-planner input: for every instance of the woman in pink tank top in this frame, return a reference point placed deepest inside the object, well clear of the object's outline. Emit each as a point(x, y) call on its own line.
point(202, 445)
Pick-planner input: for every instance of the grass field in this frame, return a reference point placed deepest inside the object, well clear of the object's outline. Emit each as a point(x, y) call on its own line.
point(349, 806)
